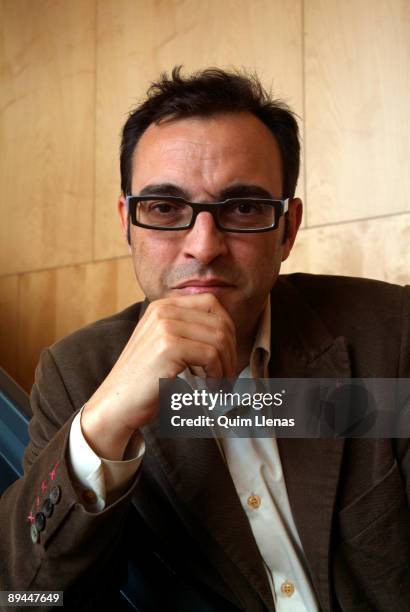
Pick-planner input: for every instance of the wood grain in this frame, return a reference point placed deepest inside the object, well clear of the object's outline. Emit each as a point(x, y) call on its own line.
point(55, 303)
point(71, 70)
point(357, 76)
point(8, 323)
point(376, 248)
point(47, 133)
point(139, 40)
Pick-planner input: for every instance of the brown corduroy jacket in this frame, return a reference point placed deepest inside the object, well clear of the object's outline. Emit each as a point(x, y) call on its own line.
point(181, 522)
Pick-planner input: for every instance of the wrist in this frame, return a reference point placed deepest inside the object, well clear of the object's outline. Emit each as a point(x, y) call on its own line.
point(102, 433)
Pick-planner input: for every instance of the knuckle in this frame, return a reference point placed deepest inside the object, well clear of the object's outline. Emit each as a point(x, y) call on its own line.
point(158, 311)
point(212, 353)
point(220, 320)
point(165, 343)
point(211, 299)
point(164, 327)
point(151, 307)
point(230, 326)
point(225, 324)
point(220, 337)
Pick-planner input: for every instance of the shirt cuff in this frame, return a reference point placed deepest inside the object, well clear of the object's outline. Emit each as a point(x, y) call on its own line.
point(101, 481)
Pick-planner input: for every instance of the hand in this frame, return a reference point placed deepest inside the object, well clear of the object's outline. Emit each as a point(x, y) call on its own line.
point(173, 334)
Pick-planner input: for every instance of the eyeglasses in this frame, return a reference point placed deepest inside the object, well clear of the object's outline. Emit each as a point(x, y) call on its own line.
point(171, 213)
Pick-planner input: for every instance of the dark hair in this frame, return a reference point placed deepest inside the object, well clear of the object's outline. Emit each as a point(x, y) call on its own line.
point(210, 92)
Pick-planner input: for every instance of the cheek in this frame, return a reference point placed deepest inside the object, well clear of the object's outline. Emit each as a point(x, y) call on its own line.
point(259, 257)
point(152, 255)
point(148, 246)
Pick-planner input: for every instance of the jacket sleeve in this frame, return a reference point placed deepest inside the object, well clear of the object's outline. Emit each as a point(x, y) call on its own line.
point(67, 548)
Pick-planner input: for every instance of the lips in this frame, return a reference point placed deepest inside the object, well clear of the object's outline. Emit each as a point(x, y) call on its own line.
point(209, 282)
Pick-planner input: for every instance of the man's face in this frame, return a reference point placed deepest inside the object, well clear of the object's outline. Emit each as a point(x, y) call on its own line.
point(203, 160)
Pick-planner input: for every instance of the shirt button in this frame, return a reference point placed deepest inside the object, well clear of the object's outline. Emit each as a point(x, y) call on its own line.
point(89, 496)
point(254, 501)
point(288, 588)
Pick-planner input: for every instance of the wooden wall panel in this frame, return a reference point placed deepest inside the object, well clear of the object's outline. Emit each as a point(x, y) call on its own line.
point(138, 40)
point(357, 76)
point(47, 133)
point(8, 323)
point(56, 302)
point(377, 248)
point(70, 70)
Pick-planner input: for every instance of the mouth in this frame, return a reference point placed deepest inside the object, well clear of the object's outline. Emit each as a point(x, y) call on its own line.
point(209, 285)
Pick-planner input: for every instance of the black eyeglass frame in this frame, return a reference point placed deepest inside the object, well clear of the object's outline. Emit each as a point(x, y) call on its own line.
point(281, 207)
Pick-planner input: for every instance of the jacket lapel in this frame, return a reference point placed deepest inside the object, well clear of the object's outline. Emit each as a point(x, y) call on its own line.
point(303, 348)
point(201, 488)
point(202, 492)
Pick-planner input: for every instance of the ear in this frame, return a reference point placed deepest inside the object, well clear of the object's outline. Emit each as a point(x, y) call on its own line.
point(123, 213)
point(295, 212)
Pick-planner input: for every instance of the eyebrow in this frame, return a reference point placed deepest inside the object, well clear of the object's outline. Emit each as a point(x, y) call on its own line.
point(238, 190)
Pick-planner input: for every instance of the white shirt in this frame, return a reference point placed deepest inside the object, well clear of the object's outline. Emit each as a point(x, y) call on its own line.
point(256, 470)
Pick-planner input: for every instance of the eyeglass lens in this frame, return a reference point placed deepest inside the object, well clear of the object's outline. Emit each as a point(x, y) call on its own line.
point(238, 214)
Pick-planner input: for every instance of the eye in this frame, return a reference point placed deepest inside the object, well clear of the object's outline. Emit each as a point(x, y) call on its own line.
point(244, 213)
point(246, 208)
point(157, 212)
point(164, 207)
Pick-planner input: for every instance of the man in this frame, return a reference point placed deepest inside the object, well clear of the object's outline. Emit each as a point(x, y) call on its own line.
point(209, 166)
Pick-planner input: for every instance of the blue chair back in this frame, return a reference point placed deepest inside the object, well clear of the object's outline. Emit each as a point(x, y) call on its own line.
point(14, 417)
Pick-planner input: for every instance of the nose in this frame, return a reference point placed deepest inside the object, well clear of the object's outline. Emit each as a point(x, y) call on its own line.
point(204, 241)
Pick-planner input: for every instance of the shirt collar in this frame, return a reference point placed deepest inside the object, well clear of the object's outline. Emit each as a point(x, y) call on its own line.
point(260, 354)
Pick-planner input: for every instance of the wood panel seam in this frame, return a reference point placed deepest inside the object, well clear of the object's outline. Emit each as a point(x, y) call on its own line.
point(95, 131)
point(305, 203)
point(71, 265)
point(358, 220)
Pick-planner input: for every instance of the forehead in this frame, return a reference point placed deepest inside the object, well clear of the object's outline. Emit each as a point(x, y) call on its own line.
point(206, 154)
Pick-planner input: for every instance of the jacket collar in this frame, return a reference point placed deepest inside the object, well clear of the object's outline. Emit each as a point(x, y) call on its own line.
point(201, 489)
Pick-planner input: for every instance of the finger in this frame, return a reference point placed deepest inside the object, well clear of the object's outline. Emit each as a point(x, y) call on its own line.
point(186, 305)
point(198, 332)
point(211, 323)
point(198, 371)
point(186, 352)
point(206, 302)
